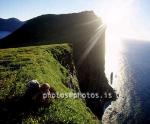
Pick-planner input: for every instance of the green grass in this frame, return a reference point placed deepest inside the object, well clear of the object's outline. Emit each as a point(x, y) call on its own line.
point(47, 64)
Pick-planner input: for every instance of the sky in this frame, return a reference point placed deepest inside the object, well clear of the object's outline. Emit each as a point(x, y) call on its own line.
point(130, 16)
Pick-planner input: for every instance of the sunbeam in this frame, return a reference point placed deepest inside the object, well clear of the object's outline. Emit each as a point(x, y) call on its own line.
point(117, 16)
point(93, 40)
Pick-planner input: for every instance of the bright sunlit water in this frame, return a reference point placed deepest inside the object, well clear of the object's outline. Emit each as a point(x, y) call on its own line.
point(130, 63)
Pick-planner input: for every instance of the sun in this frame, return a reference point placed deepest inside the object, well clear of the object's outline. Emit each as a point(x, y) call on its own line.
point(117, 15)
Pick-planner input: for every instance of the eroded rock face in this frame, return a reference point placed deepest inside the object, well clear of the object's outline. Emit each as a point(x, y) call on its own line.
point(86, 32)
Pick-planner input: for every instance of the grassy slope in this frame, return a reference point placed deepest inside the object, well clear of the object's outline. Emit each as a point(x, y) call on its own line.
point(19, 65)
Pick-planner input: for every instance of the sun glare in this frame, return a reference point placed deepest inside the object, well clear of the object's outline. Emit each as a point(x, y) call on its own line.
point(116, 15)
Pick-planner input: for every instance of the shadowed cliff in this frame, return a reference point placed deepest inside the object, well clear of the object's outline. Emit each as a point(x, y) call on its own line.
point(86, 32)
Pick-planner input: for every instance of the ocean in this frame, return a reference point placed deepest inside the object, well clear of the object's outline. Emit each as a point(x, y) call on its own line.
point(132, 84)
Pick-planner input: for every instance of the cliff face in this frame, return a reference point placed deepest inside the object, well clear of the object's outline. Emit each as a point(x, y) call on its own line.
point(85, 32)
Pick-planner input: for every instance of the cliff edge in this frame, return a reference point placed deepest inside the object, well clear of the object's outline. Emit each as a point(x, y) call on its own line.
point(86, 32)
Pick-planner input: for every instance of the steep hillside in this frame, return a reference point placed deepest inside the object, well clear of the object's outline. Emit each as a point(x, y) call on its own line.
point(7, 26)
point(47, 28)
point(52, 64)
point(10, 24)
